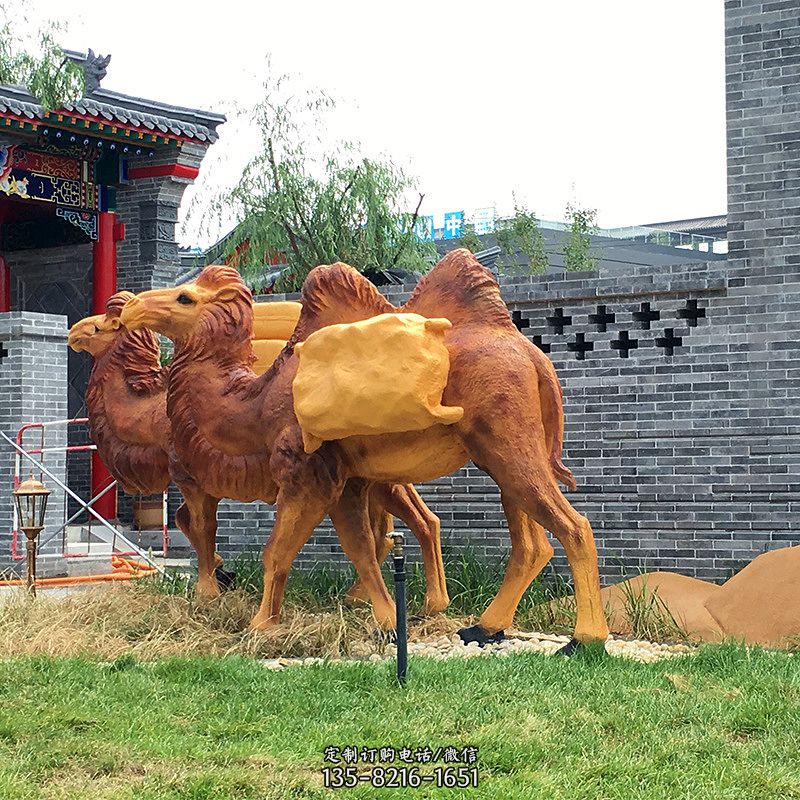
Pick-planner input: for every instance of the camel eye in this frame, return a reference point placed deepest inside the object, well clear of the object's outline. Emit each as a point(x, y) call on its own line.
point(185, 300)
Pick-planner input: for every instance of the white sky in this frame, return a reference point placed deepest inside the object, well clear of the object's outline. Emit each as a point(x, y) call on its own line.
point(617, 104)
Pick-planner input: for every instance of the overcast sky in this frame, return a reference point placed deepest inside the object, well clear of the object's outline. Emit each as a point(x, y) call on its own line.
point(616, 104)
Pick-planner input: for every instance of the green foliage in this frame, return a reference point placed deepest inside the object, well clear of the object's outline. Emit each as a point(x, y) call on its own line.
point(30, 57)
point(470, 239)
point(578, 256)
point(311, 203)
point(522, 233)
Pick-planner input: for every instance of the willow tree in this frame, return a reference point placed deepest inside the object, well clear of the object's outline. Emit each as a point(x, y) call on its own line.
point(577, 250)
point(301, 201)
point(31, 57)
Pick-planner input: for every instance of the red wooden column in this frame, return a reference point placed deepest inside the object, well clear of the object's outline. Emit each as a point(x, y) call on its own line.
point(104, 284)
point(5, 286)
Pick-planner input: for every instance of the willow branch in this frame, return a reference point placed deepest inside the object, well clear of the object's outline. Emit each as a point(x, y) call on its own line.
point(410, 232)
point(286, 226)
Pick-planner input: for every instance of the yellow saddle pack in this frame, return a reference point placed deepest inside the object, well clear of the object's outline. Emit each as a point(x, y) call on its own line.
point(380, 375)
point(273, 324)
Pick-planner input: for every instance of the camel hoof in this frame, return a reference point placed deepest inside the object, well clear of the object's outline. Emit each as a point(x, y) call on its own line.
point(225, 580)
point(572, 647)
point(593, 649)
point(434, 607)
point(261, 625)
point(477, 634)
point(206, 591)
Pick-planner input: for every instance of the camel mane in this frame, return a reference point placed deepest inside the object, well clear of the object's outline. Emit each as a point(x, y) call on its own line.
point(222, 335)
point(225, 326)
point(136, 353)
point(460, 288)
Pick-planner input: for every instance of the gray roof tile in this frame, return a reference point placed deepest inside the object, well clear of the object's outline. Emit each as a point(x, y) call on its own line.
point(124, 109)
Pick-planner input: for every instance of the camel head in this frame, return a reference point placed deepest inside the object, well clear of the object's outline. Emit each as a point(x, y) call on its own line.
point(97, 333)
point(217, 305)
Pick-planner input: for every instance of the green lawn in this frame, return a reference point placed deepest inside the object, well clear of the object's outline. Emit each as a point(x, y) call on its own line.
point(722, 724)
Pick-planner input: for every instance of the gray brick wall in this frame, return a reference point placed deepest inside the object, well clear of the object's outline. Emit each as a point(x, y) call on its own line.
point(33, 385)
point(685, 460)
point(58, 280)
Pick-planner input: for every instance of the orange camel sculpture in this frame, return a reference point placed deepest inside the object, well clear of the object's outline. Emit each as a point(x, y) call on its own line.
point(512, 427)
point(126, 400)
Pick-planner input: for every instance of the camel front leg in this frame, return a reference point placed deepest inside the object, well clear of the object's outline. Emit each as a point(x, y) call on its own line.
point(350, 517)
point(296, 518)
point(197, 518)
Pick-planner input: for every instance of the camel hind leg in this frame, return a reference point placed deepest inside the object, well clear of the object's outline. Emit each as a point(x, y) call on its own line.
point(403, 501)
point(350, 517)
point(517, 458)
point(530, 552)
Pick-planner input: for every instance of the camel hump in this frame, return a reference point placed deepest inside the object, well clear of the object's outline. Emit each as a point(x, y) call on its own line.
point(342, 287)
point(380, 375)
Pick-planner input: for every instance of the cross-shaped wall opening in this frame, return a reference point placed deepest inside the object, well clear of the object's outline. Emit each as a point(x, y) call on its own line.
point(669, 341)
point(520, 321)
point(3, 352)
point(691, 313)
point(624, 344)
point(580, 346)
point(537, 340)
point(645, 315)
point(602, 318)
point(559, 321)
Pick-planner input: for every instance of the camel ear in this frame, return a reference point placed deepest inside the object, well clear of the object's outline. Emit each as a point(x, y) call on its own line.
point(116, 323)
point(226, 294)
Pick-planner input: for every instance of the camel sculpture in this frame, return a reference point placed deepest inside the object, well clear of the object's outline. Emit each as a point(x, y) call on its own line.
point(512, 427)
point(127, 407)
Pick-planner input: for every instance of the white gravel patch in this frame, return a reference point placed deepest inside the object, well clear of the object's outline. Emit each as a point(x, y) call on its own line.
point(517, 642)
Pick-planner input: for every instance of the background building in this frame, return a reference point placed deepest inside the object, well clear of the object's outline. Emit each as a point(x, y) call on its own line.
point(89, 198)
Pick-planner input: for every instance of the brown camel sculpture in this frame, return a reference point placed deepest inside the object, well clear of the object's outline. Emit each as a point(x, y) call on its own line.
point(127, 406)
point(511, 427)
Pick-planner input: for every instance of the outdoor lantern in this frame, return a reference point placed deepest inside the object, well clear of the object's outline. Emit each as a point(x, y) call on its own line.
point(31, 501)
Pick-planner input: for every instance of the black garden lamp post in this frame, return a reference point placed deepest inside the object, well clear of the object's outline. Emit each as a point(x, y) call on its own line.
point(31, 500)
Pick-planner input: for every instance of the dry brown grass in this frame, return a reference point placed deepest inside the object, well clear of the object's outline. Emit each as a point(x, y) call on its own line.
point(118, 620)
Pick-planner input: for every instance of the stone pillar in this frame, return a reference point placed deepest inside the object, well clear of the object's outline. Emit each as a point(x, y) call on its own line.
point(148, 206)
point(33, 388)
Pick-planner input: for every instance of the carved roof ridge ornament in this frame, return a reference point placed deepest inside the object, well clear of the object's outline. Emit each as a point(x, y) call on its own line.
point(94, 69)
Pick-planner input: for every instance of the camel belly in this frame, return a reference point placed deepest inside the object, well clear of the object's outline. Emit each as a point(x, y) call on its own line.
point(410, 457)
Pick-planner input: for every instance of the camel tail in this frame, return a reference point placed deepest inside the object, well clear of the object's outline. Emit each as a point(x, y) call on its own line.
point(551, 400)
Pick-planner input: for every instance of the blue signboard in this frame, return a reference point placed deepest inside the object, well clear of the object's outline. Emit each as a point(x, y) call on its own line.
point(423, 229)
point(453, 224)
